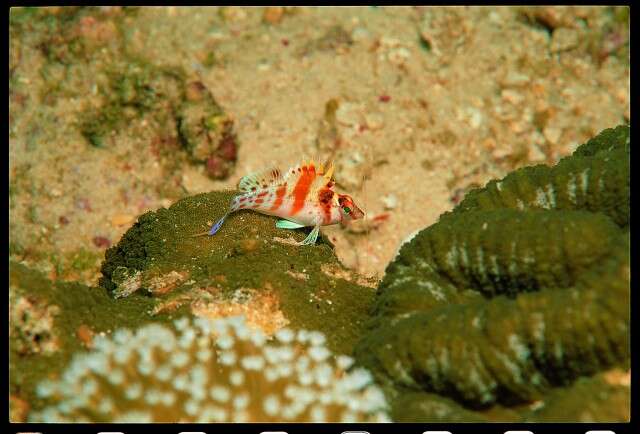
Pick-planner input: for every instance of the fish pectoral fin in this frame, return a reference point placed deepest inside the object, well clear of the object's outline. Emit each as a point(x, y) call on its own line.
point(288, 224)
point(312, 237)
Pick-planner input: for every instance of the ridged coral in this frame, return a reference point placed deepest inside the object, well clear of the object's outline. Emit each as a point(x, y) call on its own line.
point(211, 371)
point(520, 290)
point(594, 178)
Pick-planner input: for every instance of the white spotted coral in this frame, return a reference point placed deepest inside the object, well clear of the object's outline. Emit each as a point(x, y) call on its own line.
point(211, 371)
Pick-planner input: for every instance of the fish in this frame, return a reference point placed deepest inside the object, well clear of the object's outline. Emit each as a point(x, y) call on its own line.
point(302, 196)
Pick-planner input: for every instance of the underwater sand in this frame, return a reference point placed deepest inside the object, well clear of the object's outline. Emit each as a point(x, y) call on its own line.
point(432, 101)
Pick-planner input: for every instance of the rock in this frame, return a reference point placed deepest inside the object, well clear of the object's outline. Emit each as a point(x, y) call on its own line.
point(206, 132)
point(512, 96)
point(515, 79)
point(399, 56)
point(351, 168)
point(564, 39)
point(389, 201)
point(349, 114)
point(273, 14)
point(374, 121)
point(535, 154)
point(552, 134)
point(121, 219)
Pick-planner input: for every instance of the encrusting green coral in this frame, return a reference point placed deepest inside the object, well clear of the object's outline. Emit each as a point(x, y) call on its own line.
point(520, 290)
point(47, 319)
point(249, 253)
point(211, 371)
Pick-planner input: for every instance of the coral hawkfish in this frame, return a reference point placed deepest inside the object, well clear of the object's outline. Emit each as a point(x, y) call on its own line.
point(303, 196)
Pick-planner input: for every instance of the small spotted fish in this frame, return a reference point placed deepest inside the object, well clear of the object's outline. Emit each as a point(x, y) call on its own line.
point(303, 196)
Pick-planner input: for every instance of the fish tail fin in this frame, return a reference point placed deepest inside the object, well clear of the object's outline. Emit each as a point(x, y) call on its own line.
point(215, 228)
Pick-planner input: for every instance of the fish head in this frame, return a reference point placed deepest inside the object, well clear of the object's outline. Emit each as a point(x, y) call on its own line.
point(349, 209)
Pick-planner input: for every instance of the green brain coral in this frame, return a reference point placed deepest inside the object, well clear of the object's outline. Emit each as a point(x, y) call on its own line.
point(518, 293)
point(595, 178)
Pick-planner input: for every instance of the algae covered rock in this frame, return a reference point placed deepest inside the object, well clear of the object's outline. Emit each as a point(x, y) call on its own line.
point(517, 295)
point(206, 131)
point(248, 267)
point(49, 321)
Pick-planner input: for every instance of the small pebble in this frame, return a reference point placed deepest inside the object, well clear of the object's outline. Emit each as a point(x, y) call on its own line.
point(384, 98)
point(349, 114)
point(228, 148)
point(374, 121)
point(195, 91)
point(515, 79)
point(512, 96)
point(85, 334)
point(398, 56)
point(360, 34)
point(535, 154)
point(273, 14)
point(249, 245)
point(552, 134)
point(121, 219)
point(101, 242)
point(564, 39)
point(63, 220)
point(84, 204)
point(389, 201)
point(216, 167)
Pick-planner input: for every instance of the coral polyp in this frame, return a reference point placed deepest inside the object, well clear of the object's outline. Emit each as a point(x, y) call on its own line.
point(211, 371)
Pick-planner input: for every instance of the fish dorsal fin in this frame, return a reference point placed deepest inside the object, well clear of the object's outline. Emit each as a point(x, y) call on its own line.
point(323, 169)
point(260, 180)
point(328, 172)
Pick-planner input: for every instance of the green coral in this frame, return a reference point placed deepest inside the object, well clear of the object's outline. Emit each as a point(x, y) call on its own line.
point(244, 254)
point(211, 371)
point(43, 339)
point(595, 178)
point(489, 253)
point(518, 293)
point(594, 399)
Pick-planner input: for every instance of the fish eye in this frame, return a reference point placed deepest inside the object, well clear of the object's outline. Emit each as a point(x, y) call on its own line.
point(346, 209)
